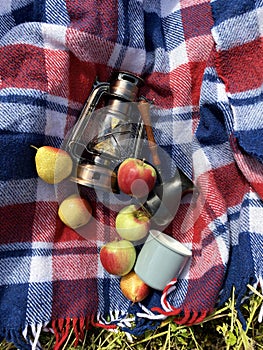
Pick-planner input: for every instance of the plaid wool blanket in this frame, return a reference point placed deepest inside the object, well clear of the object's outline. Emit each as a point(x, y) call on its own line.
point(202, 65)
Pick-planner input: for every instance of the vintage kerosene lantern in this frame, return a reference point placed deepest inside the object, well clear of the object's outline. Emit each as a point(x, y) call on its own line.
point(108, 131)
point(115, 125)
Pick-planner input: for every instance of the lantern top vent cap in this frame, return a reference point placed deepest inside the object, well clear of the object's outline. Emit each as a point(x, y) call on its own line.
point(126, 86)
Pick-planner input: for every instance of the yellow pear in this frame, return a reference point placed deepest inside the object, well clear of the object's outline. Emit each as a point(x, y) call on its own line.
point(75, 211)
point(52, 164)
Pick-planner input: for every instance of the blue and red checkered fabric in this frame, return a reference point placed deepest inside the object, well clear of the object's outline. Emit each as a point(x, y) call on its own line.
point(202, 65)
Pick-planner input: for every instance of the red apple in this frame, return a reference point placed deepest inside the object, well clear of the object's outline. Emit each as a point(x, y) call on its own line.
point(133, 287)
point(118, 257)
point(135, 177)
point(132, 224)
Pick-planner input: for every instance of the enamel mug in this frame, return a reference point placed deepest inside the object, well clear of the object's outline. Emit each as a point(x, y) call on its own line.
point(161, 259)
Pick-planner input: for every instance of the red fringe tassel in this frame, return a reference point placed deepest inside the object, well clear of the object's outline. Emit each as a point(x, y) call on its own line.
point(61, 328)
point(101, 325)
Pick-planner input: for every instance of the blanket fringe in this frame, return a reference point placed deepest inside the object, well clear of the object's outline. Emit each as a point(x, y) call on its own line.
point(15, 337)
point(143, 319)
point(32, 333)
point(191, 317)
point(28, 338)
point(63, 327)
point(103, 325)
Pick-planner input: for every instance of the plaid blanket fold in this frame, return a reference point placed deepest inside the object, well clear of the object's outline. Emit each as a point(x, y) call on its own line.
point(201, 62)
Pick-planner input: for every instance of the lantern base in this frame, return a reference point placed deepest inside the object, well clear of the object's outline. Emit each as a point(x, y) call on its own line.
point(97, 177)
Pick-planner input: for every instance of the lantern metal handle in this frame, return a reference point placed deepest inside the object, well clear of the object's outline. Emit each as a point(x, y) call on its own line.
point(99, 89)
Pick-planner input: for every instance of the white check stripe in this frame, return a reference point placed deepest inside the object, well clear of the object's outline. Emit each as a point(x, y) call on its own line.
point(40, 269)
point(256, 219)
point(260, 21)
point(178, 56)
point(131, 63)
point(5, 7)
point(51, 41)
point(248, 117)
point(169, 6)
